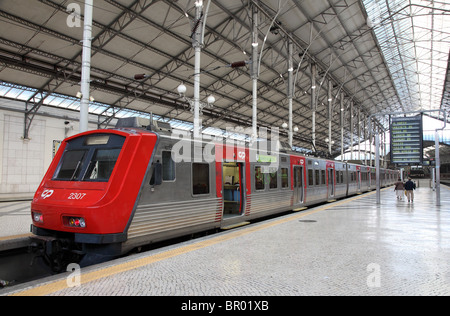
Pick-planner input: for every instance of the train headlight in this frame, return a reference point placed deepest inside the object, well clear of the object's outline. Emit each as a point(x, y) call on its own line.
point(38, 217)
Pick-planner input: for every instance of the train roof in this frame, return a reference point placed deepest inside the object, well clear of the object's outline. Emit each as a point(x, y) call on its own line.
point(165, 128)
point(144, 123)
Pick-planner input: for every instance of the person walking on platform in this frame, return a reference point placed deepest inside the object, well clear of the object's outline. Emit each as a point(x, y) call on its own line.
point(410, 187)
point(399, 189)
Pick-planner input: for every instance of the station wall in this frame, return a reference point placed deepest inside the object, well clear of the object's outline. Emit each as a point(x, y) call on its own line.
point(23, 163)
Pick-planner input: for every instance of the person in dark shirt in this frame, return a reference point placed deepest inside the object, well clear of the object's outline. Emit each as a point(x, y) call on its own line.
point(410, 186)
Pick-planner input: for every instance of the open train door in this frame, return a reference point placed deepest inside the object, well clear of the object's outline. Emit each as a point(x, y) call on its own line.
point(233, 189)
point(232, 185)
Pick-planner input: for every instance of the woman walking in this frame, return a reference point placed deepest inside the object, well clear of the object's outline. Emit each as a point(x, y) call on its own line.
point(399, 189)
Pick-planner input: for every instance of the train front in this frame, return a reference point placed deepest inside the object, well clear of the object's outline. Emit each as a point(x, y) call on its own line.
point(84, 203)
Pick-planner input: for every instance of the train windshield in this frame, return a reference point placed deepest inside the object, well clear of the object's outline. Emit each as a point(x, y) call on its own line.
point(90, 158)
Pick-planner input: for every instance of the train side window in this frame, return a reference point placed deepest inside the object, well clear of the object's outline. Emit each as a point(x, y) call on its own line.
point(342, 176)
point(259, 179)
point(200, 178)
point(284, 178)
point(322, 173)
point(310, 177)
point(274, 180)
point(317, 177)
point(168, 166)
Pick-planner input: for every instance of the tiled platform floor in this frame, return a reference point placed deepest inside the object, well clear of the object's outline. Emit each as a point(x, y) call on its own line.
point(15, 218)
point(351, 247)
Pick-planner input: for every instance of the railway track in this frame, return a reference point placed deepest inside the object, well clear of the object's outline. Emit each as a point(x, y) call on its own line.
point(19, 265)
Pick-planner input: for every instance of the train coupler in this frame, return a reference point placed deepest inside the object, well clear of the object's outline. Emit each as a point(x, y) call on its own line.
point(51, 250)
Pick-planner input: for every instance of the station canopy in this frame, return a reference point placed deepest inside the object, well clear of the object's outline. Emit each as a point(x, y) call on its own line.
point(379, 56)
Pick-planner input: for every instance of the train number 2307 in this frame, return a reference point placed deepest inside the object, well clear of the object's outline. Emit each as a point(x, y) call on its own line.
point(76, 196)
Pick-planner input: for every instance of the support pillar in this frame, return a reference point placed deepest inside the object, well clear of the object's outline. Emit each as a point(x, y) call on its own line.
point(197, 43)
point(351, 130)
point(438, 168)
point(86, 66)
point(377, 166)
point(313, 104)
point(342, 126)
point(330, 116)
point(290, 91)
point(255, 73)
point(359, 134)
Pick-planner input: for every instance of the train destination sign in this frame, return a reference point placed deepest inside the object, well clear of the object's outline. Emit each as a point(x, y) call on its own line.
point(407, 140)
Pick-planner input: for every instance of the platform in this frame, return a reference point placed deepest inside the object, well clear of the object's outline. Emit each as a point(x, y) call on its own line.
point(350, 247)
point(15, 218)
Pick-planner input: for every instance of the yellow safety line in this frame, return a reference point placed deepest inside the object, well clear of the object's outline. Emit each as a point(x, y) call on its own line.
point(15, 237)
point(138, 263)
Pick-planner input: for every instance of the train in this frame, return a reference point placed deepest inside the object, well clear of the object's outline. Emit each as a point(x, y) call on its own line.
point(110, 191)
point(445, 174)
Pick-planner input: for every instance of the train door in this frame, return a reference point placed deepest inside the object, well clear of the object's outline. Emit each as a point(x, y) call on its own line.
point(298, 185)
point(358, 179)
point(233, 189)
point(331, 182)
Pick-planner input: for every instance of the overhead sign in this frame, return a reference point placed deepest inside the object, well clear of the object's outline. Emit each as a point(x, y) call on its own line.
point(407, 140)
point(266, 158)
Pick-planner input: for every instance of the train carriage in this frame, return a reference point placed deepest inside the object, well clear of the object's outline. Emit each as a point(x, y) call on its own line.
point(109, 191)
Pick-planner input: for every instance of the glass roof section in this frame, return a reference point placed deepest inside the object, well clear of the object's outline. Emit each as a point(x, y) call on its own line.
point(414, 36)
point(20, 93)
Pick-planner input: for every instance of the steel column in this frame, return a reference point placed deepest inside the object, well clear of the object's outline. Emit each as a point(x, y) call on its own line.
point(86, 66)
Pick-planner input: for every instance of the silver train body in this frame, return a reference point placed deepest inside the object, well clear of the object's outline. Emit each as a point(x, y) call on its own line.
point(184, 197)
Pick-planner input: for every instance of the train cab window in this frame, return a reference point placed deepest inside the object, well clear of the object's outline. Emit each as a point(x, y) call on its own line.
point(168, 166)
point(102, 164)
point(71, 165)
point(259, 179)
point(200, 178)
point(90, 158)
point(284, 178)
point(274, 180)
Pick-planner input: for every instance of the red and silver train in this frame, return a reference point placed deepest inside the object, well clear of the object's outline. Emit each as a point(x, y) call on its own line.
point(109, 191)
